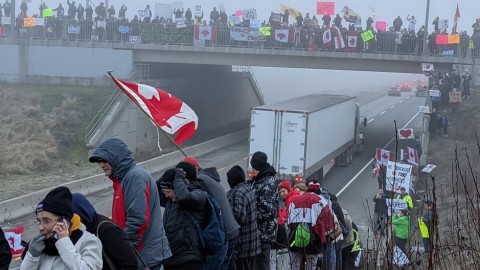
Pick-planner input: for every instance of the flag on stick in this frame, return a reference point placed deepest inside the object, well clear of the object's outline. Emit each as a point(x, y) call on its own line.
point(14, 239)
point(167, 111)
point(412, 157)
point(455, 20)
point(383, 156)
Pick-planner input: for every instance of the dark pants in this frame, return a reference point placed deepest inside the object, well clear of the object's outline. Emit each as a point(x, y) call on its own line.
point(401, 243)
point(231, 257)
point(426, 245)
point(262, 260)
point(348, 258)
point(245, 263)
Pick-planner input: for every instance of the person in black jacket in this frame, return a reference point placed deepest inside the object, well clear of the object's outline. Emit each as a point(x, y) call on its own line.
point(5, 252)
point(209, 180)
point(380, 213)
point(116, 246)
point(179, 196)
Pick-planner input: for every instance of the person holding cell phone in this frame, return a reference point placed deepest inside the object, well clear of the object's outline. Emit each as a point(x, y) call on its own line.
point(60, 243)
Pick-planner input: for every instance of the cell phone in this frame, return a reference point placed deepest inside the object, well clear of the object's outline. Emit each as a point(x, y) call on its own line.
point(66, 221)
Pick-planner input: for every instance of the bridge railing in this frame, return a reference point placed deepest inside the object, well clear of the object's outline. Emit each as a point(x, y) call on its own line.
point(281, 38)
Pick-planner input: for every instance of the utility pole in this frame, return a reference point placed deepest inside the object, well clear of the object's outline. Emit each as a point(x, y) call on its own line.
point(425, 33)
point(12, 19)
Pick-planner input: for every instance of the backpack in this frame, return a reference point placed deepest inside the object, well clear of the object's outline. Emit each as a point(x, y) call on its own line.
point(213, 236)
point(303, 235)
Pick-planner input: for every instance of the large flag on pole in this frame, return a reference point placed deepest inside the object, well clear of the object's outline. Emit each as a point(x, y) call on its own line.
point(412, 157)
point(455, 20)
point(349, 15)
point(169, 113)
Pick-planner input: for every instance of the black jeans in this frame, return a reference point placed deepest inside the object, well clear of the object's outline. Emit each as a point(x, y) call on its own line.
point(230, 259)
point(262, 260)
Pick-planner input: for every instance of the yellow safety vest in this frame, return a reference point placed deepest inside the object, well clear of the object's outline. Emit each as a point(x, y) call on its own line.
point(356, 244)
point(423, 228)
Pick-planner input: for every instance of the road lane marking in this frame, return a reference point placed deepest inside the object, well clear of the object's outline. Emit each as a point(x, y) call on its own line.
point(392, 107)
point(370, 120)
point(383, 112)
point(371, 160)
point(401, 101)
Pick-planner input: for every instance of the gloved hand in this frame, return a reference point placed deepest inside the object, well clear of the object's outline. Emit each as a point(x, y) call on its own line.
point(36, 245)
point(180, 174)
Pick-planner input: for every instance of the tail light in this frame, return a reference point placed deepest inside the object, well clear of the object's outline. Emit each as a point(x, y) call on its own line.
point(251, 174)
point(299, 179)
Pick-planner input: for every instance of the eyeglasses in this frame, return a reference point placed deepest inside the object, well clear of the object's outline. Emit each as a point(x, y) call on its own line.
point(46, 221)
point(99, 161)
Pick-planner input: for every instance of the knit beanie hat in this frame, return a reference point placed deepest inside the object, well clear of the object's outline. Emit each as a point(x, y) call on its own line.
point(235, 176)
point(191, 173)
point(58, 201)
point(314, 186)
point(259, 161)
point(285, 184)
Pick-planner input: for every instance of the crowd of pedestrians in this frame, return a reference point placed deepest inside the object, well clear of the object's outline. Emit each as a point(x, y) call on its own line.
point(305, 32)
point(200, 226)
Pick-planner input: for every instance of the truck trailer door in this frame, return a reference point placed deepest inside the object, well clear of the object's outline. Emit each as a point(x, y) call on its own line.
point(262, 132)
point(291, 143)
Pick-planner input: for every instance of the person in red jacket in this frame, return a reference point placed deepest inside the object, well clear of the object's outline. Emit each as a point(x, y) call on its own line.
point(287, 194)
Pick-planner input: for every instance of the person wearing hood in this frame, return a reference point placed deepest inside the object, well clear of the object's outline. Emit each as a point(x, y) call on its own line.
point(136, 203)
point(266, 193)
point(286, 194)
point(117, 250)
point(182, 198)
point(61, 244)
point(243, 204)
point(209, 180)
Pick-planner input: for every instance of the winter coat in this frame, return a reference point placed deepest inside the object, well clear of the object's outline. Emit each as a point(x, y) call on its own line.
point(266, 194)
point(244, 208)
point(115, 245)
point(86, 254)
point(402, 223)
point(5, 253)
point(380, 205)
point(406, 198)
point(350, 238)
point(136, 203)
point(181, 233)
point(283, 212)
point(210, 182)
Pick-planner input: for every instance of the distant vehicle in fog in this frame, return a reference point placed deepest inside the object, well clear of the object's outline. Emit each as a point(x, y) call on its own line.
point(421, 91)
point(405, 87)
point(393, 91)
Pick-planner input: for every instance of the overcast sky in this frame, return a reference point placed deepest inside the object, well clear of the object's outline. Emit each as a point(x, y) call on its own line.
point(384, 9)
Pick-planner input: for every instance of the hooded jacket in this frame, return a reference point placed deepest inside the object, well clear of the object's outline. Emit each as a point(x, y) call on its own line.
point(115, 245)
point(266, 193)
point(182, 235)
point(210, 182)
point(292, 194)
point(86, 254)
point(136, 203)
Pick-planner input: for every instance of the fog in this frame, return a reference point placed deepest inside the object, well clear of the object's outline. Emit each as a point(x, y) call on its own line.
point(278, 84)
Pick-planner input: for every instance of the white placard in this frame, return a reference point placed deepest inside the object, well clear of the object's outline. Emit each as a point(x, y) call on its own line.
point(424, 109)
point(180, 22)
point(429, 168)
point(255, 23)
point(249, 14)
point(395, 205)
point(398, 175)
point(443, 24)
point(198, 11)
point(434, 93)
point(5, 20)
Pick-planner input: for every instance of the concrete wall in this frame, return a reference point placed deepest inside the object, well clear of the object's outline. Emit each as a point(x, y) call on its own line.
point(62, 65)
point(222, 100)
point(474, 70)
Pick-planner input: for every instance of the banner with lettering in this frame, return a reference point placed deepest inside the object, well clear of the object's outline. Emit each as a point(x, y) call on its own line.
point(284, 35)
point(398, 175)
point(326, 8)
point(249, 14)
point(395, 205)
point(156, 33)
point(246, 34)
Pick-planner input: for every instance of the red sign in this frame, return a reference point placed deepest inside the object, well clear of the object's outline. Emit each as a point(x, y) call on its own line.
point(325, 8)
point(442, 39)
point(381, 25)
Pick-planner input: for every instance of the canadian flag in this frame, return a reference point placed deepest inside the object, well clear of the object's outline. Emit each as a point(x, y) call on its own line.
point(406, 133)
point(283, 35)
point(168, 112)
point(14, 239)
point(352, 38)
point(338, 39)
point(412, 156)
point(383, 156)
point(327, 36)
point(204, 32)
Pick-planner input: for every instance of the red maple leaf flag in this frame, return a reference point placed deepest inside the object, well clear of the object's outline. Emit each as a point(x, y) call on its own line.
point(205, 32)
point(168, 112)
point(14, 239)
point(412, 156)
point(383, 156)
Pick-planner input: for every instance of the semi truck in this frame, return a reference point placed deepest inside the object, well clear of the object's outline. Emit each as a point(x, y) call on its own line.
point(305, 137)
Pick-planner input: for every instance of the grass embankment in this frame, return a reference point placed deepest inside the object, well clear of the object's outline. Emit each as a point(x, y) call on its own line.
point(42, 136)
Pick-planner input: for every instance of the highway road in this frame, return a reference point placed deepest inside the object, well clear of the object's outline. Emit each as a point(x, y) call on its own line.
point(354, 185)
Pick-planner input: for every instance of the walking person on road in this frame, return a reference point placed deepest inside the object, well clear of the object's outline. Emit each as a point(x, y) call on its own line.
point(380, 213)
point(136, 203)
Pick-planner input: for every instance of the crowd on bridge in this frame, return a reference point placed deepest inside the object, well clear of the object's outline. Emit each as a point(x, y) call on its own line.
point(187, 27)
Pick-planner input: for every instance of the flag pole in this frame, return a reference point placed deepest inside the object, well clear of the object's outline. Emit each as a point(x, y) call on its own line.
point(149, 117)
